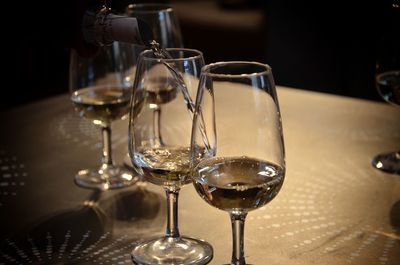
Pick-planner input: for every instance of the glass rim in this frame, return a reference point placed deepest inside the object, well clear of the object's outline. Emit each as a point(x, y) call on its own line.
point(196, 54)
point(206, 69)
point(142, 7)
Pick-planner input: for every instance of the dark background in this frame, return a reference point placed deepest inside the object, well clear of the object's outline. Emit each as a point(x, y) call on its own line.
point(327, 46)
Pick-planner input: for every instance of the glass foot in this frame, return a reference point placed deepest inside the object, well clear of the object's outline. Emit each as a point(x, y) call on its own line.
point(172, 251)
point(106, 178)
point(389, 162)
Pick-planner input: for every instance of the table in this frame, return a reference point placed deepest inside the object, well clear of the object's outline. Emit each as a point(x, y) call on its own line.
point(334, 207)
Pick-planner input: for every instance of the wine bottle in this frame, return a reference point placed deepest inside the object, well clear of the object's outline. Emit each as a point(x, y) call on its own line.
point(102, 27)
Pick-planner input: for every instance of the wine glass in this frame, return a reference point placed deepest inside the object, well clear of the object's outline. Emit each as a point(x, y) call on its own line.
point(388, 85)
point(237, 149)
point(100, 89)
point(166, 31)
point(163, 22)
point(167, 84)
point(387, 80)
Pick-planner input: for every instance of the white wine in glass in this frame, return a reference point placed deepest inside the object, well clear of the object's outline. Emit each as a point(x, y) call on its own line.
point(100, 90)
point(237, 150)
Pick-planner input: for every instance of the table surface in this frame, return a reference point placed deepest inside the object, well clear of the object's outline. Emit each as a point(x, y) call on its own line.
point(334, 207)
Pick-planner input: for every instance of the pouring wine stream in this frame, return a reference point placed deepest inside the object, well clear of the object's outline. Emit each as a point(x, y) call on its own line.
point(162, 54)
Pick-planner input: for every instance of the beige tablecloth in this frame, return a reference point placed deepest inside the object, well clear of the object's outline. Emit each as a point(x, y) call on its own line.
point(334, 207)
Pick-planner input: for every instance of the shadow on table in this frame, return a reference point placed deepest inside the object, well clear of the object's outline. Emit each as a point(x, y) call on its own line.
point(138, 213)
point(58, 239)
point(395, 217)
point(95, 231)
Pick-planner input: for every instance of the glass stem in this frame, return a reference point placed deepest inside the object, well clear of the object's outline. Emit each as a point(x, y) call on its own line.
point(106, 158)
point(237, 220)
point(172, 212)
point(157, 125)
